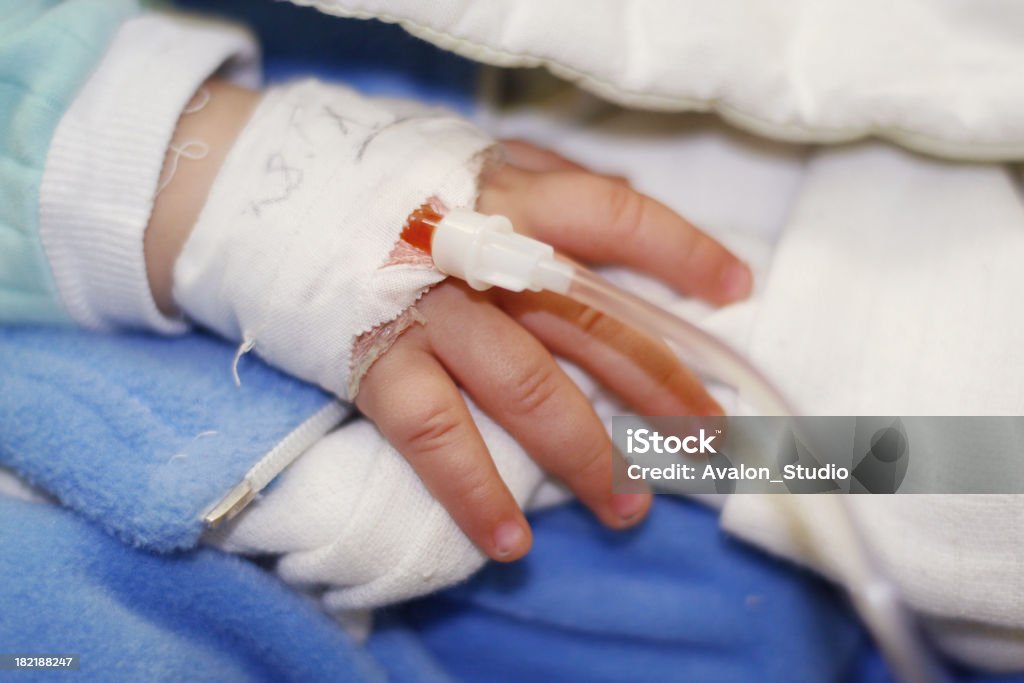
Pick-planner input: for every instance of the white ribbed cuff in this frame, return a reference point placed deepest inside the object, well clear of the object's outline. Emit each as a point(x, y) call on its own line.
point(106, 157)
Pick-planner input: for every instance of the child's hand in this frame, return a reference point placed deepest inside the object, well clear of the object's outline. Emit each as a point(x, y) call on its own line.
point(498, 347)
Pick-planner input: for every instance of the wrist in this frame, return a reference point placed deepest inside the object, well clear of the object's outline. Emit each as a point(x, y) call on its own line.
point(214, 120)
point(104, 162)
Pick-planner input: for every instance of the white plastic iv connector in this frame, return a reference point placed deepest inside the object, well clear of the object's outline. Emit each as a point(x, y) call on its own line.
point(484, 251)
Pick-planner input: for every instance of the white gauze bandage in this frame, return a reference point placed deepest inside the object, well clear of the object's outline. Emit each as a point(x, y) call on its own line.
point(289, 255)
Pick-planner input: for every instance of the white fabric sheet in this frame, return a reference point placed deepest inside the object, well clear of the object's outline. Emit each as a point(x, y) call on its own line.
point(936, 75)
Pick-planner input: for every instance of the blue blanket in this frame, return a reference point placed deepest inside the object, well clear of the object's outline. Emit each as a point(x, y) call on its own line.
point(138, 433)
point(101, 422)
point(66, 587)
point(587, 605)
point(672, 600)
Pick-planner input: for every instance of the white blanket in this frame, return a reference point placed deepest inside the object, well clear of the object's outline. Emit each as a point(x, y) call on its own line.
point(938, 75)
point(888, 284)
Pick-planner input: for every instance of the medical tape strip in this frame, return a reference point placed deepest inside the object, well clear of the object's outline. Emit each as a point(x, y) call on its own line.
point(290, 254)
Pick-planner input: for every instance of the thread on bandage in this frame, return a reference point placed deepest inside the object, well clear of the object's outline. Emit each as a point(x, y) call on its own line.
point(198, 101)
point(247, 345)
point(193, 150)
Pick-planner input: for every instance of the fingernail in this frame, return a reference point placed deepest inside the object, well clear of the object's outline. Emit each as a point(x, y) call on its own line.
point(628, 505)
point(736, 281)
point(508, 538)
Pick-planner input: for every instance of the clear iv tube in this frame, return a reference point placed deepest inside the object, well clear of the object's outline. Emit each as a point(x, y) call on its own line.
point(485, 251)
point(872, 592)
point(705, 354)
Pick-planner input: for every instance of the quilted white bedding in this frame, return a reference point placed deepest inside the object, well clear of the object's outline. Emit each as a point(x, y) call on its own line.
point(937, 75)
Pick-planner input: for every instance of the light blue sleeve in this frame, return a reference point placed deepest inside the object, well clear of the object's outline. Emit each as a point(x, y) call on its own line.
point(48, 48)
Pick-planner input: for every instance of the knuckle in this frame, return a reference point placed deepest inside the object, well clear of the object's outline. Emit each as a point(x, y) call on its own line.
point(476, 492)
point(590, 460)
point(625, 211)
point(669, 372)
point(592, 322)
point(531, 388)
point(673, 377)
point(432, 428)
point(692, 246)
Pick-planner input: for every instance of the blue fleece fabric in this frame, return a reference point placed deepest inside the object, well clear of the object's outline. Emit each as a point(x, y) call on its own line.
point(140, 433)
point(67, 588)
point(98, 419)
point(672, 600)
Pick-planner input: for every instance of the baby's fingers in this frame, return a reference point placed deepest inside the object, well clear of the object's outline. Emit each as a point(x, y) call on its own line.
point(598, 220)
point(516, 381)
point(420, 411)
point(642, 370)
